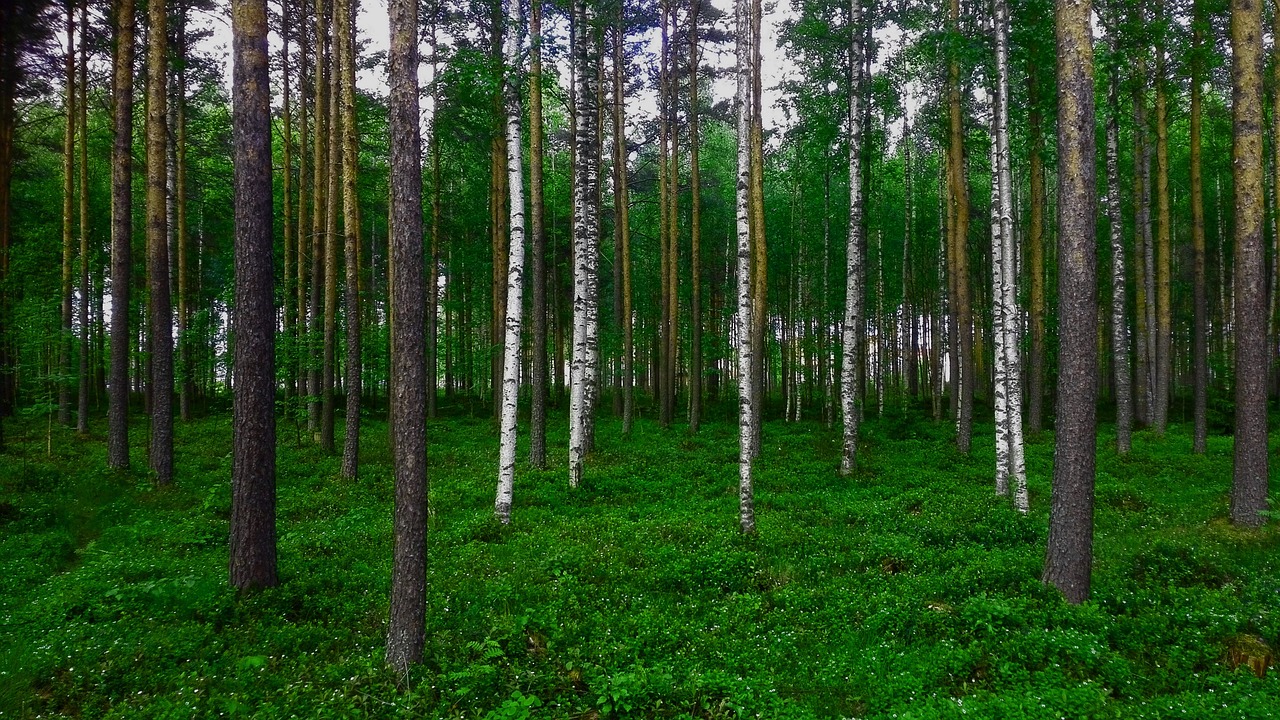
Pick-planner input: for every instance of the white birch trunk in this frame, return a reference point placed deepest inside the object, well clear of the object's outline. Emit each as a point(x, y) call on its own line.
point(584, 368)
point(746, 357)
point(853, 323)
point(1009, 269)
point(998, 319)
point(1119, 326)
point(515, 269)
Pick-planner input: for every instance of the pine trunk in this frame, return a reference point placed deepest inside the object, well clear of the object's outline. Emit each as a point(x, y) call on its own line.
point(121, 237)
point(695, 231)
point(345, 11)
point(1163, 252)
point(159, 310)
point(538, 421)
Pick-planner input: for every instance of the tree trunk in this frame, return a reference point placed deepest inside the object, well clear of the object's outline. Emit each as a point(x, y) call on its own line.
point(1069, 558)
point(287, 218)
point(1119, 319)
point(759, 246)
point(333, 242)
point(253, 501)
point(1200, 330)
point(319, 226)
point(432, 289)
point(1141, 215)
point(345, 11)
point(695, 231)
point(1163, 249)
point(1249, 485)
point(121, 237)
point(960, 254)
point(185, 384)
point(82, 129)
point(538, 421)
point(666, 126)
point(159, 310)
point(68, 222)
point(746, 355)
point(515, 268)
point(622, 225)
point(1035, 252)
point(301, 353)
point(406, 633)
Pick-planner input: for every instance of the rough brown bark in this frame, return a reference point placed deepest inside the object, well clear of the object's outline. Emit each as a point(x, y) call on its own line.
point(1163, 250)
point(623, 224)
point(1035, 254)
point(253, 473)
point(1249, 486)
point(345, 11)
point(538, 421)
point(159, 307)
point(121, 237)
point(333, 242)
point(433, 259)
point(960, 254)
point(695, 231)
point(1069, 558)
point(186, 387)
point(406, 633)
point(1200, 301)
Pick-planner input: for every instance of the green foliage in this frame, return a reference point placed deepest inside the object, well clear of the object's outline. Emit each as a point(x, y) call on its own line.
point(907, 591)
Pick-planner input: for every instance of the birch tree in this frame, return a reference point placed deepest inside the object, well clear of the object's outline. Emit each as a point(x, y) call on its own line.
point(743, 319)
point(1119, 320)
point(852, 327)
point(515, 268)
point(584, 367)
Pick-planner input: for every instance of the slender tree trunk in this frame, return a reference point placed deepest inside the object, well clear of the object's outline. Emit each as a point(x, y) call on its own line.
point(585, 240)
point(345, 11)
point(1119, 319)
point(287, 210)
point(666, 322)
point(759, 244)
point(673, 233)
point(319, 206)
point(695, 230)
point(159, 309)
point(1249, 485)
point(1069, 558)
point(1163, 249)
point(68, 221)
point(1141, 213)
point(622, 226)
point(301, 351)
point(406, 633)
point(960, 256)
point(909, 309)
point(185, 385)
point(1035, 251)
point(1200, 330)
point(515, 269)
point(82, 129)
point(253, 500)
point(852, 329)
point(121, 237)
point(743, 12)
point(538, 421)
point(432, 289)
point(333, 242)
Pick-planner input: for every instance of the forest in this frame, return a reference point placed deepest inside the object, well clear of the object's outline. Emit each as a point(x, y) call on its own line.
point(594, 359)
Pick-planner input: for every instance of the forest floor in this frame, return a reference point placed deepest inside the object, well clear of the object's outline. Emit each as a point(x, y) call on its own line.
point(909, 590)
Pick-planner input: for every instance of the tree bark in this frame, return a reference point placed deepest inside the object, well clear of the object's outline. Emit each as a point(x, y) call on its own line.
point(1069, 558)
point(1200, 329)
point(406, 633)
point(345, 11)
point(960, 254)
point(185, 385)
point(159, 309)
point(68, 222)
point(538, 421)
point(515, 268)
point(852, 329)
point(759, 244)
point(695, 231)
point(1119, 319)
point(121, 237)
point(333, 242)
point(746, 355)
point(1035, 253)
point(622, 227)
point(82, 129)
point(253, 481)
point(1163, 249)
point(1249, 481)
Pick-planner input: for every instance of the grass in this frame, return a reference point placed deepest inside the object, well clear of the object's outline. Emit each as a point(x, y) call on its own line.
point(909, 590)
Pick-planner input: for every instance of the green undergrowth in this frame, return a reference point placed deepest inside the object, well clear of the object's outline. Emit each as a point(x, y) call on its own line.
point(908, 590)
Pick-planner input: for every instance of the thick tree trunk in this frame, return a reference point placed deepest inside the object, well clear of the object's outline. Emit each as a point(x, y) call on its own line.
point(406, 633)
point(121, 237)
point(345, 11)
point(253, 480)
point(515, 269)
point(159, 310)
point(1069, 558)
point(1249, 486)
